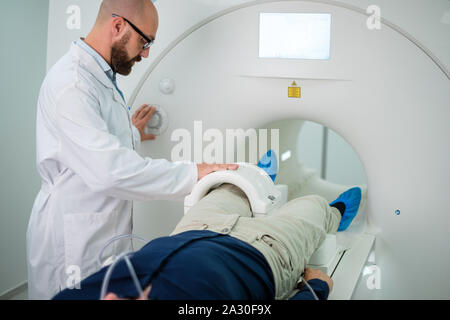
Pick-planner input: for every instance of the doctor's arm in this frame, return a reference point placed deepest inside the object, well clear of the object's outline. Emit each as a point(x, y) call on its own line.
point(140, 119)
point(104, 164)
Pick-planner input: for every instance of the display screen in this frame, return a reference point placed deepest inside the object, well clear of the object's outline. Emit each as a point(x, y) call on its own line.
point(295, 35)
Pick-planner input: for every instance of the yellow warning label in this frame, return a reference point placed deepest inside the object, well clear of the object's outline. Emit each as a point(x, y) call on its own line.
point(294, 91)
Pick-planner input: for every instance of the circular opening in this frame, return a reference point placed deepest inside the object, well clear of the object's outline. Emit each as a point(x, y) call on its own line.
point(313, 159)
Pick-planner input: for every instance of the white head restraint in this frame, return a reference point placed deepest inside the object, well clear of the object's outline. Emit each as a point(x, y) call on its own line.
point(259, 188)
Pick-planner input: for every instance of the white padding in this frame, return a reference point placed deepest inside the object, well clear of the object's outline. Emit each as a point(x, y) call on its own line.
point(259, 188)
point(326, 252)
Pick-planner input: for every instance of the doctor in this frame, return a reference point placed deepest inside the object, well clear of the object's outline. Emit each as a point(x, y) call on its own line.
point(86, 152)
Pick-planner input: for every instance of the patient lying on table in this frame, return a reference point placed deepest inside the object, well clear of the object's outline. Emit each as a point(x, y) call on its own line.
point(220, 251)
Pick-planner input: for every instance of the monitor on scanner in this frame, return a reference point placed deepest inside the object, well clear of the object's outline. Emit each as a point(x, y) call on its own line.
point(295, 35)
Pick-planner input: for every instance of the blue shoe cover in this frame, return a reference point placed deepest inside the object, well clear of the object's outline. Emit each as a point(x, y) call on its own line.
point(351, 198)
point(269, 164)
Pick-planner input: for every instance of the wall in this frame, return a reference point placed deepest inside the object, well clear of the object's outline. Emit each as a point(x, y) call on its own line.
point(69, 21)
point(23, 55)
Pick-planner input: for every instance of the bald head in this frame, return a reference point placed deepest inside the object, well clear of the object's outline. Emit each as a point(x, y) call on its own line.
point(122, 39)
point(134, 10)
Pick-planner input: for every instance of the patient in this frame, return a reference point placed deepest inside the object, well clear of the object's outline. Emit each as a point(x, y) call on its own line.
point(220, 251)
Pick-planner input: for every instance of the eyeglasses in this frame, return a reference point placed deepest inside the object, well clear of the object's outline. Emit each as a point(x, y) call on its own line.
point(148, 43)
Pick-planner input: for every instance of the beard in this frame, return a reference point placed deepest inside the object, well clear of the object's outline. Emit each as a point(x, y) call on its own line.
point(120, 62)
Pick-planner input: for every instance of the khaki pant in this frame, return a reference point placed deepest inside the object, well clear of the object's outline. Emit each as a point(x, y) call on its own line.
point(287, 238)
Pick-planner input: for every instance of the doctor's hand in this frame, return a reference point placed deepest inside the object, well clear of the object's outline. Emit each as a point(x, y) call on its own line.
point(205, 168)
point(140, 119)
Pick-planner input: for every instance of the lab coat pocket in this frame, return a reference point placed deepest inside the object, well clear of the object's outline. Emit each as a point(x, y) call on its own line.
point(85, 234)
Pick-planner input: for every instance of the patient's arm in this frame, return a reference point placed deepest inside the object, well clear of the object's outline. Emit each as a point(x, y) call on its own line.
point(311, 274)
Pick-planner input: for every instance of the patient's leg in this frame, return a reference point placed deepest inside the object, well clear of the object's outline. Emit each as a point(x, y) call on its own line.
point(226, 199)
point(312, 209)
point(302, 222)
point(219, 207)
point(287, 237)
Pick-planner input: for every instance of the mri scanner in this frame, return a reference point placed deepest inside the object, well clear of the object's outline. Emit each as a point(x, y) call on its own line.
point(386, 91)
point(342, 260)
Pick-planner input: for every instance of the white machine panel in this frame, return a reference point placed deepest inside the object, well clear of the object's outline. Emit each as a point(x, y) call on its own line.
point(260, 190)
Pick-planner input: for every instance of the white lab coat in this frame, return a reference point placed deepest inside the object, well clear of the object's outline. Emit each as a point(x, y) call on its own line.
point(90, 174)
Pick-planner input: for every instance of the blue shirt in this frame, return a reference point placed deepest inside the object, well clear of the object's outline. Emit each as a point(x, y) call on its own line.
point(101, 62)
point(198, 264)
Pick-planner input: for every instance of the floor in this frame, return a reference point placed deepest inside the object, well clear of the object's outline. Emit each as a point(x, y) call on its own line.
point(21, 296)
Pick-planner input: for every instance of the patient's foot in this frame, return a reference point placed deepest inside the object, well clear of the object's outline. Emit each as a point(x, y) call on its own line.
point(340, 206)
point(347, 204)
